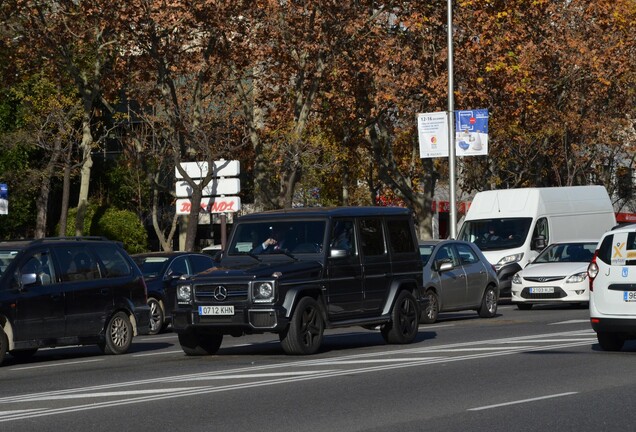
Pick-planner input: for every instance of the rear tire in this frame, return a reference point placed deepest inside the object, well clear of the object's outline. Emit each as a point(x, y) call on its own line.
point(404, 323)
point(488, 308)
point(4, 344)
point(199, 344)
point(118, 334)
point(306, 327)
point(610, 341)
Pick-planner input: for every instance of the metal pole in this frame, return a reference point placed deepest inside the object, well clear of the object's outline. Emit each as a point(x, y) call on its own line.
point(451, 125)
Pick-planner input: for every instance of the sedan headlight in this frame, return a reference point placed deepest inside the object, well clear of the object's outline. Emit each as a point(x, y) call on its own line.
point(263, 292)
point(516, 279)
point(509, 260)
point(184, 292)
point(576, 278)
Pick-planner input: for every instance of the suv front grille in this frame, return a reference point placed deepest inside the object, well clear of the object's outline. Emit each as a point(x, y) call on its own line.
point(235, 292)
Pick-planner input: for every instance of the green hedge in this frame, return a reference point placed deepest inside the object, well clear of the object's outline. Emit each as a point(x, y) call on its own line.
point(114, 224)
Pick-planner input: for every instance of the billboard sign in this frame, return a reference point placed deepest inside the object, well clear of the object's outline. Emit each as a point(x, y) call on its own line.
point(4, 199)
point(432, 131)
point(471, 132)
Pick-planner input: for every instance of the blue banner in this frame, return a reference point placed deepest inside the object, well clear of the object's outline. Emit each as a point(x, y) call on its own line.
point(471, 132)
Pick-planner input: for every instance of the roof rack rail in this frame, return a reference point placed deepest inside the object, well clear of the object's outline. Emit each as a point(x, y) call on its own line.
point(71, 238)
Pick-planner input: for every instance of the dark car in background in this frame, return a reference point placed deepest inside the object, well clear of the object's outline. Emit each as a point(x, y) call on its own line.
point(160, 270)
point(69, 291)
point(456, 277)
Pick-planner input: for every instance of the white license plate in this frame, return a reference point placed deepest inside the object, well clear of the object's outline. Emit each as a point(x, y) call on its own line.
point(542, 290)
point(629, 296)
point(216, 310)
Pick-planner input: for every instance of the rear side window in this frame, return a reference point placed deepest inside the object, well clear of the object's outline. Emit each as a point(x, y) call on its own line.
point(112, 259)
point(372, 237)
point(466, 254)
point(76, 263)
point(618, 249)
point(400, 237)
point(200, 263)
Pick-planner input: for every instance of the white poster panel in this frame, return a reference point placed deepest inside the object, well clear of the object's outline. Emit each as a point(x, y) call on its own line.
point(432, 131)
point(210, 205)
point(218, 186)
point(221, 168)
point(471, 132)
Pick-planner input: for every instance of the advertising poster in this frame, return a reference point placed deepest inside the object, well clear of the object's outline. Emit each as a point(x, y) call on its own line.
point(432, 131)
point(471, 132)
point(4, 199)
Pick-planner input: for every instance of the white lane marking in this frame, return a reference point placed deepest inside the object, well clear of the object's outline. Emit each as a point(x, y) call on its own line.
point(56, 364)
point(109, 394)
point(158, 353)
point(434, 326)
point(557, 340)
point(522, 401)
point(571, 322)
point(251, 375)
point(371, 361)
point(501, 348)
point(4, 413)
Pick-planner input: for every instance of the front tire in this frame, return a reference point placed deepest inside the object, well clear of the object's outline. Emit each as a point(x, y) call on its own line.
point(157, 316)
point(488, 308)
point(404, 323)
point(431, 312)
point(610, 341)
point(306, 328)
point(118, 335)
point(199, 344)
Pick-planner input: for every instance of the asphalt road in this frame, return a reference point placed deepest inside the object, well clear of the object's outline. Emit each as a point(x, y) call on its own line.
point(520, 371)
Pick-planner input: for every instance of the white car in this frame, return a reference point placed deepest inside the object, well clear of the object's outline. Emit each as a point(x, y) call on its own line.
point(613, 288)
point(557, 275)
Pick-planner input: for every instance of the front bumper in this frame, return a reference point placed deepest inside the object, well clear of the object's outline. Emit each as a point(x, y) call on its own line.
point(625, 326)
point(244, 320)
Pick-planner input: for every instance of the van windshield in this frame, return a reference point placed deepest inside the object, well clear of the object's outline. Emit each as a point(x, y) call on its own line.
point(495, 234)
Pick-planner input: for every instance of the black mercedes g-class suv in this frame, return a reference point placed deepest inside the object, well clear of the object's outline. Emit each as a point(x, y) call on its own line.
point(296, 272)
point(69, 291)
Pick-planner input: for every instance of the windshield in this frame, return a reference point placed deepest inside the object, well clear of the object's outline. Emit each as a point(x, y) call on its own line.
point(494, 234)
point(567, 252)
point(6, 256)
point(151, 266)
point(294, 237)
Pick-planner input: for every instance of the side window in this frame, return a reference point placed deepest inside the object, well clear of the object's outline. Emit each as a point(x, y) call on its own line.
point(446, 254)
point(605, 250)
point(112, 260)
point(342, 236)
point(400, 238)
point(466, 254)
point(542, 229)
point(40, 265)
point(76, 263)
point(372, 237)
point(200, 263)
point(179, 266)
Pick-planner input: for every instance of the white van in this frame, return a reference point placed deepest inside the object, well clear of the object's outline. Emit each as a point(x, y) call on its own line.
point(511, 226)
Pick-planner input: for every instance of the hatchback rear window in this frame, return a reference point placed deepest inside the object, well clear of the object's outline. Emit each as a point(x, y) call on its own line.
point(618, 249)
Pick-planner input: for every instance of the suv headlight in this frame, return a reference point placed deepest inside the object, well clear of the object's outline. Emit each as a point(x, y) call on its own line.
point(508, 260)
point(264, 292)
point(184, 292)
point(576, 278)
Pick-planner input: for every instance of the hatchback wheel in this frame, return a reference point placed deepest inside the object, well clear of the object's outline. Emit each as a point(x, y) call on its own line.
point(488, 308)
point(432, 309)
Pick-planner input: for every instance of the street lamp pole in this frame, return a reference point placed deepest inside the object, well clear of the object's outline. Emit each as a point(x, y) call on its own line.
point(451, 125)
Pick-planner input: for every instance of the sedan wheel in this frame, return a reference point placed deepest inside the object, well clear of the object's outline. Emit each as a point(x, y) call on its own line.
point(432, 309)
point(488, 308)
point(157, 316)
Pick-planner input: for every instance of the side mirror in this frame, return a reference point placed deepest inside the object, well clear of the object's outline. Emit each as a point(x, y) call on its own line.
point(539, 243)
point(338, 253)
point(443, 265)
point(28, 279)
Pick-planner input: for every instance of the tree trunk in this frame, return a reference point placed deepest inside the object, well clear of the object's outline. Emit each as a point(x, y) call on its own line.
point(87, 164)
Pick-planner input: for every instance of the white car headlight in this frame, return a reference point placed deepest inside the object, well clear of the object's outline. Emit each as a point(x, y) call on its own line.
point(576, 278)
point(184, 292)
point(263, 292)
point(509, 260)
point(516, 279)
